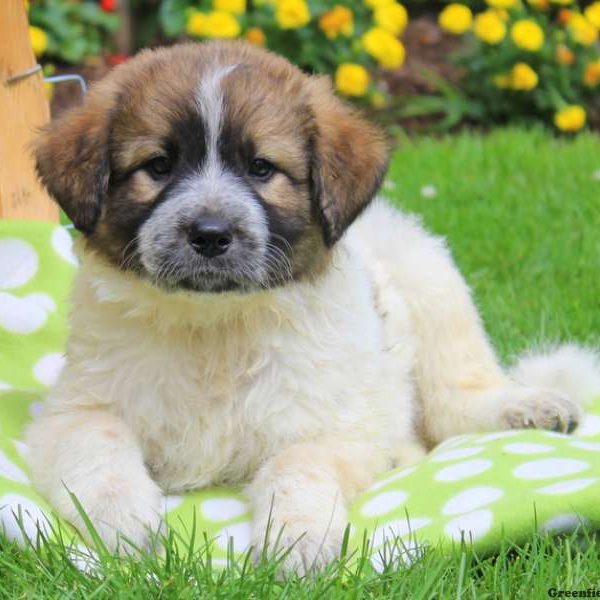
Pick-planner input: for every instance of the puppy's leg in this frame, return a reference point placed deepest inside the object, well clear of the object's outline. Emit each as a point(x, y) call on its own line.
point(299, 498)
point(461, 385)
point(92, 454)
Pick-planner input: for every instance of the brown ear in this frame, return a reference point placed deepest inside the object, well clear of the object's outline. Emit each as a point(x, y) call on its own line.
point(72, 162)
point(350, 159)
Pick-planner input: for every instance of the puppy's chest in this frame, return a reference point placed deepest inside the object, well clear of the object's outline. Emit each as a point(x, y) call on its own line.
point(209, 408)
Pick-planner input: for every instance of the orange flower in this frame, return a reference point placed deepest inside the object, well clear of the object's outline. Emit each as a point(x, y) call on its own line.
point(564, 55)
point(564, 16)
point(337, 21)
point(591, 74)
point(256, 36)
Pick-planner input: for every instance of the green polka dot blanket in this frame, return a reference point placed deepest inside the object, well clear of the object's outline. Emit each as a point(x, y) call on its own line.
point(478, 487)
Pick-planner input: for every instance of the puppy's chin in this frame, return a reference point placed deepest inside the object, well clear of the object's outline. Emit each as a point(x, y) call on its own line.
point(208, 281)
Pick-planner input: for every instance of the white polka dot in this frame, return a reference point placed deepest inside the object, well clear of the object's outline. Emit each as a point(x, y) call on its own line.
point(223, 509)
point(9, 470)
point(591, 446)
point(47, 369)
point(527, 448)
point(590, 426)
point(395, 477)
point(219, 563)
point(548, 468)
point(563, 523)
point(24, 315)
point(20, 515)
point(240, 532)
point(471, 499)
point(384, 503)
point(463, 470)
point(21, 448)
point(567, 487)
point(396, 529)
point(85, 560)
point(18, 263)
point(62, 243)
point(472, 526)
point(5, 386)
point(499, 435)
point(455, 454)
point(171, 503)
point(35, 409)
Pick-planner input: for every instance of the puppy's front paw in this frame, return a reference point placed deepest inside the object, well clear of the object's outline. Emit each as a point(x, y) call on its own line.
point(302, 546)
point(542, 409)
point(127, 518)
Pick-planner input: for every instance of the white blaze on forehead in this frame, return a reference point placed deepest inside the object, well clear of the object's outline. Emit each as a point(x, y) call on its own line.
point(210, 103)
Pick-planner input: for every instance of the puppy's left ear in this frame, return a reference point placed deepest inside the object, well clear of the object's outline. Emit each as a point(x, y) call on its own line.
point(350, 160)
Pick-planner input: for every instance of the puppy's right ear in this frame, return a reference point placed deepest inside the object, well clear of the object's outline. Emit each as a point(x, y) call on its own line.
point(71, 157)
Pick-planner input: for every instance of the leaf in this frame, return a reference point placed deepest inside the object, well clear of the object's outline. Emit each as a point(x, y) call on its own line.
point(172, 16)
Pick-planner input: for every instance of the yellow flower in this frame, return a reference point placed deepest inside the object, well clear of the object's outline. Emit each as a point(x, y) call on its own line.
point(582, 30)
point(592, 14)
point(386, 49)
point(502, 3)
point(197, 24)
point(523, 78)
point(527, 35)
point(456, 18)
point(337, 21)
point(235, 7)
point(489, 27)
point(216, 24)
point(352, 79)
point(591, 74)
point(374, 4)
point(392, 17)
point(292, 14)
point(570, 118)
point(256, 36)
point(539, 4)
point(38, 39)
point(564, 55)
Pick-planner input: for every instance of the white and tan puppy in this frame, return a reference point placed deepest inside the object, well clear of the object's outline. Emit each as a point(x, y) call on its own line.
point(225, 330)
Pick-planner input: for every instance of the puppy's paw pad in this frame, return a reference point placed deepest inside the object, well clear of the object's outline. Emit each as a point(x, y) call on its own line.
point(543, 410)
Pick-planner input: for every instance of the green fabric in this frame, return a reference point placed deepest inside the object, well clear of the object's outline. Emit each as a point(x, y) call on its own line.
point(479, 486)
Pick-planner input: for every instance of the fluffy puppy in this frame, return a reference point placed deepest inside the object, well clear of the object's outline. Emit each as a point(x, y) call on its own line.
point(223, 331)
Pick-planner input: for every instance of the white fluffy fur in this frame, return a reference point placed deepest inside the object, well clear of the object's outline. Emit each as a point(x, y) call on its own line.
point(306, 392)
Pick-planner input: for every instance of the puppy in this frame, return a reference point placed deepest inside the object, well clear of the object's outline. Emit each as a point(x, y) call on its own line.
point(229, 326)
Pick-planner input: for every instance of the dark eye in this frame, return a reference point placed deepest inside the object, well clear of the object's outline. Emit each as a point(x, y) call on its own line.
point(158, 167)
point(261, 169)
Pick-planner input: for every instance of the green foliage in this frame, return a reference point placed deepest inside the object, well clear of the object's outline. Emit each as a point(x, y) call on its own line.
point(75, 30)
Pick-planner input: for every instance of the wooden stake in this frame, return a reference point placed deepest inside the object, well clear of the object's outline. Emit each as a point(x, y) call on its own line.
point(23, 108)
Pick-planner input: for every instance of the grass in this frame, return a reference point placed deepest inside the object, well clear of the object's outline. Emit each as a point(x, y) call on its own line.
point(521, 211)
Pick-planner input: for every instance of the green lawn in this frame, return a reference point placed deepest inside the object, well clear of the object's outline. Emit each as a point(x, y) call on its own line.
point(522, 215)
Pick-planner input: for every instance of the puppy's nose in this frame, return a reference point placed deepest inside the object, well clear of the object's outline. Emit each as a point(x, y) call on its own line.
point(210, 236)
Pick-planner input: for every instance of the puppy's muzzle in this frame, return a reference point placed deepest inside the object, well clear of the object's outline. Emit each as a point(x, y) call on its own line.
point(210, 236)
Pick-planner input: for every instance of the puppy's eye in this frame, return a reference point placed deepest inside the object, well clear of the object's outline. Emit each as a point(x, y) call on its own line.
point(158, 167)
point(261, 169)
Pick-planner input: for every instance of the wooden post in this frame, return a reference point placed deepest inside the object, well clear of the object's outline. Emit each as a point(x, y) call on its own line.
point(23, 108)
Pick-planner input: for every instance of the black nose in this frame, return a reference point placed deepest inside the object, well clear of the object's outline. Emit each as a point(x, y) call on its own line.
point(210, 236)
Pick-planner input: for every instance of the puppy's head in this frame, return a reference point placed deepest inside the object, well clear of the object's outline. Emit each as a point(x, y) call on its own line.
point(212, 167)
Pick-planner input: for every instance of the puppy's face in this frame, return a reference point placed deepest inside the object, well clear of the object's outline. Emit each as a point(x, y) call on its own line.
point(211, 168)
